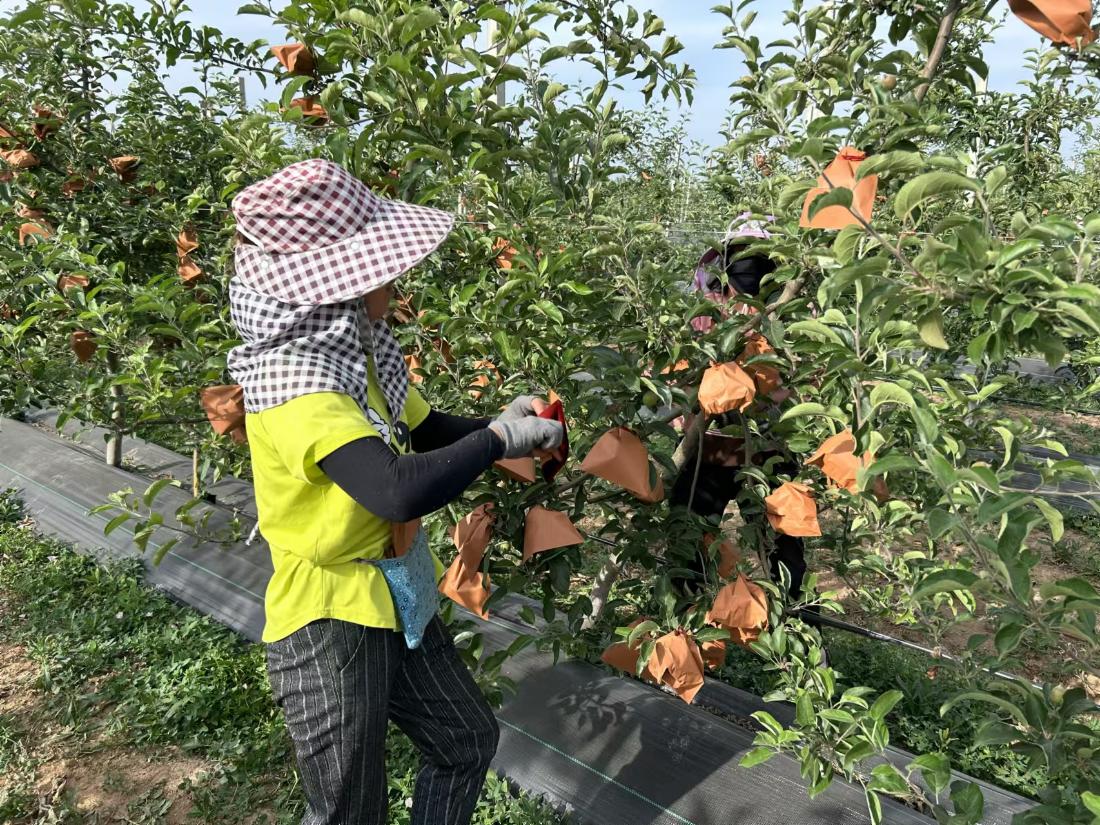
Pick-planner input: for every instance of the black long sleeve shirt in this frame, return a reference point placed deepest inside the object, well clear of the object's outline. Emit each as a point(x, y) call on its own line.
point(450, 453)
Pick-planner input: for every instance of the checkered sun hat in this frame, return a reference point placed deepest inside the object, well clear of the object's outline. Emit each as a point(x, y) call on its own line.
point(322, 237)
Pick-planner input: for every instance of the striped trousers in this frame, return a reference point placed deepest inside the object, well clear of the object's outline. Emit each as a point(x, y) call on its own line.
point(340, 684)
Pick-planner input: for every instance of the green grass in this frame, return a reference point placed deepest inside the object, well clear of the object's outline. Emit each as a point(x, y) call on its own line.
point(915, 723)
point(123, 660)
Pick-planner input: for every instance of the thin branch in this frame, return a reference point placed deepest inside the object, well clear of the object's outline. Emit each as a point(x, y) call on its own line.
point(947, 25)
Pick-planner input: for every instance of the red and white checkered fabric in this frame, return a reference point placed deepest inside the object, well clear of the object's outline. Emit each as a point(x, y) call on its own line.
point(322, 242)
point(290, 350)
point(322, 237)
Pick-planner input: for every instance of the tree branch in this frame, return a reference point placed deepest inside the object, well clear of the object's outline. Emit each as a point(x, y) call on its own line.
point(935, 56)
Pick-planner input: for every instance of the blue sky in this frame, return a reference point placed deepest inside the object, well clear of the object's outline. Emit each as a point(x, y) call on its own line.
point(690, 20)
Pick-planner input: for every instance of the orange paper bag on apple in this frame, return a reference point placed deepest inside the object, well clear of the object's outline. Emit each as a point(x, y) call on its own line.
point(547, 530)
point(1061, 21)
point(224, 406)
point(620, 457)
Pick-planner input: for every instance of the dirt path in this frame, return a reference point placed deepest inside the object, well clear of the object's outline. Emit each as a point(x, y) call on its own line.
point(57, 771)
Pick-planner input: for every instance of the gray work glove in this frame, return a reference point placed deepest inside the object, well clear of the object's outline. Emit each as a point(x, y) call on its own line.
point(521, 407)
point(522, 436)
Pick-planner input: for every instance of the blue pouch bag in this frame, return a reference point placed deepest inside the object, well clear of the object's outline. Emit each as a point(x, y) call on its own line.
point(411, 579)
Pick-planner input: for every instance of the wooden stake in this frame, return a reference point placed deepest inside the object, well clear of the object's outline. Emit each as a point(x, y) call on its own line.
point(113, 453)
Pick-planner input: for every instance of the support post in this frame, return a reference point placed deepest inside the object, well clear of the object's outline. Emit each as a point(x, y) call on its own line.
point(113, 453)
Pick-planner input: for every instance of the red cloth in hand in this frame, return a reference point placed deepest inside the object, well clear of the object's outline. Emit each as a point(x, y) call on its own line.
point(553, 461)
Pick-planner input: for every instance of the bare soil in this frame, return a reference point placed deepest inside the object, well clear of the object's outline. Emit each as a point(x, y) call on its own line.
point(1037, 664)
point(103, 782)
point(1079, 432)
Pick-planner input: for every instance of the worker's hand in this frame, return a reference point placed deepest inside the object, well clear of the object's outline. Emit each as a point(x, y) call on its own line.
point(523, 436)
point(522, 407)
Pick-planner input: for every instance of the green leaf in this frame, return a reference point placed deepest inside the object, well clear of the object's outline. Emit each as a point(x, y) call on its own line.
point(793, 192)
point(1078, 313)
point(975, 350)
point(552, 53)
point(163, 550)
point(885, 703)
point(153, 489)
point(550, 311)
point(846, 243)
point(640, 630)
point(768, 722)
point(420, 21)
point(1092, 802)
point(1053, 516)
point(980, 696)
point(891, 463)
point(944, 581)
point(890, 393)
point(656, 26)
point(969, 802)
point(874, 806)
point(1008, 637)
point(1018, 250)
point(810, 408)
point(839, 196)
point(931, 330)
point(929, 185)
point(816, 330)
point(553, 90)
point(804, 710)
point(756, 756)
point(115, 523)
point(886, 778)
point(890, 163)
point(330, 97)
point(1008, 438)
point(712, 634)
point(935, 768)
point(940, 521)
point(994, 507)
point(993, 181)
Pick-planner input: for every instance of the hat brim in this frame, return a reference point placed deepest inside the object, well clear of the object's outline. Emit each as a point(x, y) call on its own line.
point(398, 236)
